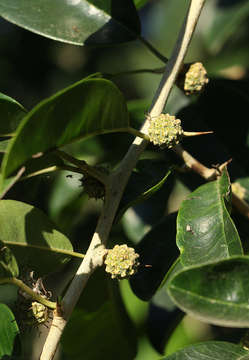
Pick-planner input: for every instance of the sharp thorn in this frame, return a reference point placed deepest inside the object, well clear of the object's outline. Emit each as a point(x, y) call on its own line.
point(196, 133)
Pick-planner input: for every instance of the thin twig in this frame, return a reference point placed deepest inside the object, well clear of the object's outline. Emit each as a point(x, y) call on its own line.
point(157, 71)
point(52, 169)
point(195, 165)
point(40, 172)
point(82, 165)
point(139, 134)
point(211, 174)
point(117, 182)
point(153, 49)
point(34, 295)
point(11, 183)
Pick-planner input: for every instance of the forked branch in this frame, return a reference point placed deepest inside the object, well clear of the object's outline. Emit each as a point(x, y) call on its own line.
point(117, 182)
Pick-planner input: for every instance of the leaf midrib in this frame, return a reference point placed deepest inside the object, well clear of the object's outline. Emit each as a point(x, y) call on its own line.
point(206, 298)
point(222, 209)
point(45, 248)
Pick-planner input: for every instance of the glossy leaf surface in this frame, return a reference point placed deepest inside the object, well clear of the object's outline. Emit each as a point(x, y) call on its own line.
point(9, 333)
point(217, 293)
point(77, 22)
point(8, 265)
point(11, 114)
point(205, 230)
point(32, 237)
point(88, 107)
point(211, 350)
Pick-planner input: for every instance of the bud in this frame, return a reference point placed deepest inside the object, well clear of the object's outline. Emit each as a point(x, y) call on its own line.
point(30, 312)
point(195, 78)
point(38, 314)
point(121, 262)
point(92, 186)
point(165, 130)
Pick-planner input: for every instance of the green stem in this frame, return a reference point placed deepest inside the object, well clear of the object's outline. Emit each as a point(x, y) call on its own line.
point(153, 50)
point(8, 135)
point(116, 186)
point(138, 133)
point(84, 167)
point(40, 172)
point(29, 291)
point(135, 72)
point(53, 168)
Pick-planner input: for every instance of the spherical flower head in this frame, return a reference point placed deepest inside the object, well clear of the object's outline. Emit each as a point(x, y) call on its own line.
point(195, 78)
point(92, 186)
point(165, 130)
point(121, 262)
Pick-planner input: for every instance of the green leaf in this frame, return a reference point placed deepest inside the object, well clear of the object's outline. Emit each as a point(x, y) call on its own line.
point(157, 252)
point(3, 145)
point(11, 113)
point(96, 292)
point(174, 269)
point(140, 3)
point(169, 317)
point(88, 107)
point(41, 163)
point(205, 230)
point(100, 325)
point(77, 22)
point(9, 333)
point(32, 237)
point(8, 264)
point(217, 350)
point(226, 22)
point(8, 294)
point(32, 167)
point(137, 111)
point(7, 184)
point(217, 293)
point(145, 181)
point(108, 326)
point(187, 332)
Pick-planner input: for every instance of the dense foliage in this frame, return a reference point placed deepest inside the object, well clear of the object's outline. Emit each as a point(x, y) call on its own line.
point(77, 83)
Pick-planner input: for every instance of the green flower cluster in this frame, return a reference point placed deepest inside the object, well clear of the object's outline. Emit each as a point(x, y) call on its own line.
point(195, 78)
point(165, 130)
point(37, 314)
point(121, 262)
